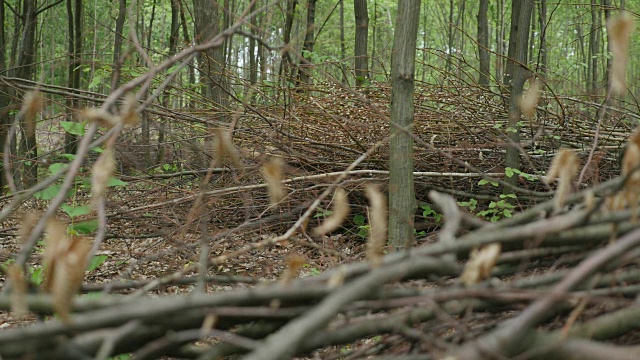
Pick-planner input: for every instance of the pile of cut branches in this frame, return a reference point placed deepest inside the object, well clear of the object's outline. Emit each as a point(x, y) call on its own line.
point(563, 285)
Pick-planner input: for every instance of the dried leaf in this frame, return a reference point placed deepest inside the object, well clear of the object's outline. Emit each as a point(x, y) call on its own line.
point(619, 29)
point(564, 167)
point(529, 101)
point(272, 173)
point(340, 210)
point(295, 262)
point(378, 224)
point(100, 116)
point(480, 264)
point(65, 260)
point(32, 104)
point(101, 173)
point(27, 224)
point(18, 291)
point(129, 115)
point(224, 151)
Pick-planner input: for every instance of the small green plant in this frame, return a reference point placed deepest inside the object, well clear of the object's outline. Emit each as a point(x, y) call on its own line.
point(509, 172)
point(428, 212)
point(322, 213)
point(312, 269)
point(472, 204)
point(363, 227)
point(499, 209)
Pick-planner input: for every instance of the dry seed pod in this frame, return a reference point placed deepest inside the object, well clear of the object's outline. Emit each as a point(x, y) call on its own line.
point(129, 115)
point(100, 116)
point(18, 290)
point(272, 173)
point(295, 262)
point(564, 167)
point(65, 260)
point(340, 210)
point(224, 150)
point(102, 171)
point(619, 29)
point(529, 101)
point(378, 224)
point(480, 264)
point(32, 104)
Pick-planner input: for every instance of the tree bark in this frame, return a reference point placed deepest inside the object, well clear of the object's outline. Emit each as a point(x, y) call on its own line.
point(26, 70)
point(542, 17)
point(360, 46)
point(304, 74)
point(402, 203)
point(483, 44)
point(74, 17)
point(518, 46)
point(594, 46)
point(211, 63)
point(4, 99)
point(117, 44)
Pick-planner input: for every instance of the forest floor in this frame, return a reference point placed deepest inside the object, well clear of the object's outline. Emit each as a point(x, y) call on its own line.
point(154, 229)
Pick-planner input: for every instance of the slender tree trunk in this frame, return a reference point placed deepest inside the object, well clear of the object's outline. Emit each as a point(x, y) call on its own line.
point(211, 62)
point(304, 74)
point(374, 40)
point(117, 44)
point(4, 99)
point(518, 46)
point(343, 51)
point(362, 36)
point(174, 36)
point(542, 17)
point(253, 59)
point(402, 203)
point(483, 44)
point(26, 70)
point(286, 64)
point(593, 49)
point(450, 38)
point(74, 16)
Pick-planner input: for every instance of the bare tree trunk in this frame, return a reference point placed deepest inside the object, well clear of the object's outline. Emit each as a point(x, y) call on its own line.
point(4, 99)
point(211, 62)
point(592, 81)
point(343, 51)
point(450, 38)
point(26, 70)
point(518, 46)
point(286, 64)
point(542, 17)
point(74, 17)
point(483, 44)
point(360, 47)
point(402, 203)
point(174, 35)
point(117, 44)
point(304, 74)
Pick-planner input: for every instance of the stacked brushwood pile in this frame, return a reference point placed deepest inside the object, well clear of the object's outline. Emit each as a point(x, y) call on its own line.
point(556, 280)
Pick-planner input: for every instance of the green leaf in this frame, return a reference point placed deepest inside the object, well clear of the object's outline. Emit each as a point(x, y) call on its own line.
point(506, 213)
point(72, 127)
point(115, 182)
point(48, 193)
point(492, 205)
point(359, 220)
point(68, 156)
point(508, 172)
point(96, 261)
point(74, 211)
point(85, 227)
point(54, 168)
point(37, 276)
point(483, 182)
point(98, 150)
